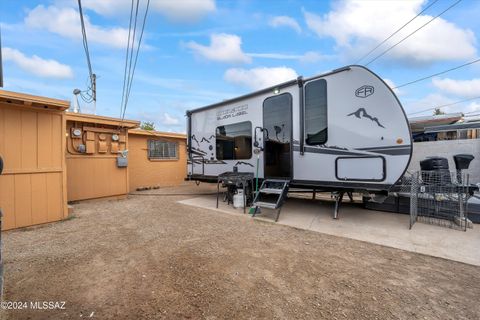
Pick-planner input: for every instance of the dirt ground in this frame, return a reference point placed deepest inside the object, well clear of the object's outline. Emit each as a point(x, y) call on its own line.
point(148, 257)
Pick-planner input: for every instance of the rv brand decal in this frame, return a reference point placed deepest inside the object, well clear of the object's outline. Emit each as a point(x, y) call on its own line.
point(232, 112)
point(364, 91)
point(362, 113)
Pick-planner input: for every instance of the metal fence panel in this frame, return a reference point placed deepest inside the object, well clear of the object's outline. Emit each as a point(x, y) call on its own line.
point(440, 197)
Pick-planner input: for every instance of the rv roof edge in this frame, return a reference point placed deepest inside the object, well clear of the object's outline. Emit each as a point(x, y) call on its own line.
point(262, 91)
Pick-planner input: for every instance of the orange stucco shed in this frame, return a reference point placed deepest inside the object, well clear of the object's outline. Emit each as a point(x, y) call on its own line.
point(157, 159)
point(33, 183)
point(97, 156)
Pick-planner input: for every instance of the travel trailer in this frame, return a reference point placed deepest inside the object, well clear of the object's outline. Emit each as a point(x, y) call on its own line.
point(342, 131)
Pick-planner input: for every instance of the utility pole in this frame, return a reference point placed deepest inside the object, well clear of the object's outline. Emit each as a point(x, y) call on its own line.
point(94, 92)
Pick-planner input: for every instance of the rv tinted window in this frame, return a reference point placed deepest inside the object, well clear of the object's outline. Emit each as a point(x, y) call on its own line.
point(316, 112)
point(234, 141)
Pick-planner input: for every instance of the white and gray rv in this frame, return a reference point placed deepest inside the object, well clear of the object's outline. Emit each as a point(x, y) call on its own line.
point(341, 131)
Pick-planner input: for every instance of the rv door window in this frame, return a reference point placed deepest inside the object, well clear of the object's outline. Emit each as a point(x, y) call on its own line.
point(234, 141)
point(316, 112)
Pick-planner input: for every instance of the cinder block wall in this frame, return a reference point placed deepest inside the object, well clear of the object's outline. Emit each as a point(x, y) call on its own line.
point(447, 149)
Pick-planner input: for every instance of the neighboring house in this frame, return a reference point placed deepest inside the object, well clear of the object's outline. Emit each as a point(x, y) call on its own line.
point(452, 126)
point(157, 159)
point(446, 135)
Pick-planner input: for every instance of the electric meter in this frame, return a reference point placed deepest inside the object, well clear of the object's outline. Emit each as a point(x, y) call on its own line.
point(76, 132)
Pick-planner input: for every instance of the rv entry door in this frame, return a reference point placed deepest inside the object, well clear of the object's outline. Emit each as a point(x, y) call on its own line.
point(277, 120)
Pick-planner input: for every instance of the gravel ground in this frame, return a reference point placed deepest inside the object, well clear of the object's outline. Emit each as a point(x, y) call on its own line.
point(148, 257)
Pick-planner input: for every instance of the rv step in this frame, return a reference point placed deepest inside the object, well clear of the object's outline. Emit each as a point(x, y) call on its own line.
point(276, 180)
point(263, 204)
point(271, 190)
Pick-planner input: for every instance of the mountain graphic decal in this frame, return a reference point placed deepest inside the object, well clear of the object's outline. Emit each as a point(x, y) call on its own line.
point(362, 113)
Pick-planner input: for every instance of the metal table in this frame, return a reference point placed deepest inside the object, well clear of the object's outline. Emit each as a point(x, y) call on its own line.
point(237, 179)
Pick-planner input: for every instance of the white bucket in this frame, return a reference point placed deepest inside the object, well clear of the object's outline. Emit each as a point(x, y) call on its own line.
point(238, 199)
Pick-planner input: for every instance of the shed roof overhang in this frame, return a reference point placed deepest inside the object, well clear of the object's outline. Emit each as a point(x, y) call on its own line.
point(28, 100)
point(83, 117)
point(160, 134)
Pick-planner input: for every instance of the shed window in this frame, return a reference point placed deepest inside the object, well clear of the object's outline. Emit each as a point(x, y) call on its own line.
point(234, 141)
point(316, 125)
point(158, 149)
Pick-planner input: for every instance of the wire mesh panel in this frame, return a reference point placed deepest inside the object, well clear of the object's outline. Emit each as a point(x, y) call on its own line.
point(414, 188)
point(440, 197)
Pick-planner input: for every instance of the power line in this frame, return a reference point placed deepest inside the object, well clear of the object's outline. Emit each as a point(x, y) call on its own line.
point(131, 57)
point(389, 37)
point(444, 105)
point(437, 74)
point(136, 56)
point(126, 59)
point(93, 77)
point(84, 39)
point(129, 74)
point(405, 38)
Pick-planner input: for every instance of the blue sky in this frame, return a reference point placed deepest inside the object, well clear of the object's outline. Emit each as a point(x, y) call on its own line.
point(197, 52)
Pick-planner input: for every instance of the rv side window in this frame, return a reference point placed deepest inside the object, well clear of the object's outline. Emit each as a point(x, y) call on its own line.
point(234, 141)
point(316, 112)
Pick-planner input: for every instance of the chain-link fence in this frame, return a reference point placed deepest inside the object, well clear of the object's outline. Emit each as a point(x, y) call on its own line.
point(439, 197)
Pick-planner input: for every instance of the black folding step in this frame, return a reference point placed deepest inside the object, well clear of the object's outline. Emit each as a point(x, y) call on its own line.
point(271, 195)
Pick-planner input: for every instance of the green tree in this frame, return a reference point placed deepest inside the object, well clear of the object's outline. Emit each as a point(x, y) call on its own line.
point(146, 125)
point(438, 112)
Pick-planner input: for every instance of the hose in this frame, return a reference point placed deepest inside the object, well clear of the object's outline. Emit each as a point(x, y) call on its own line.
point(256, 178)
point(173, 194)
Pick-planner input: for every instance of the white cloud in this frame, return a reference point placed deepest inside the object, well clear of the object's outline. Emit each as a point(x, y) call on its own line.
point(106, 7)
point(163, 121)
point(472, 107)
point(285, 21)
point(429, 101)
point(392, 85)
point(357, 26)
point(36, 65)
point(279, 56)
point(184, 10)
point(308, 57)
point(311, 57)
point(65, 21)
point(463, 88)
point(169, 120)
point(178, 11)
point(259, 78)
point(223, 47)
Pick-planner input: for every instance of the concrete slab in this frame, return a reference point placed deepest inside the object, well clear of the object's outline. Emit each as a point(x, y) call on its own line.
point(355, 222)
